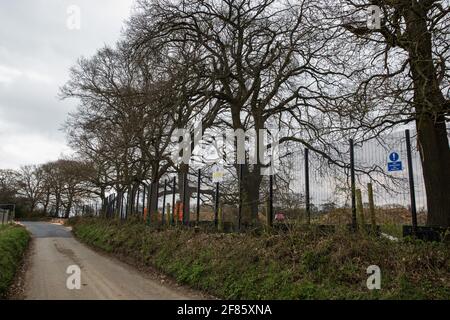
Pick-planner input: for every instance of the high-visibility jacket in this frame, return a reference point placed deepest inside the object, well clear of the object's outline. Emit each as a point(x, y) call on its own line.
point(145, 214)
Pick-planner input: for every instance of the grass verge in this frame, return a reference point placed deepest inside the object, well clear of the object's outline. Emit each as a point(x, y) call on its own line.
point(13, 243)
point(299, 264)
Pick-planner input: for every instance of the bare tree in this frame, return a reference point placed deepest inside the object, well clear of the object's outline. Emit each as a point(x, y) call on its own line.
point(263, 59)
point(30, 181)
point(406, 80)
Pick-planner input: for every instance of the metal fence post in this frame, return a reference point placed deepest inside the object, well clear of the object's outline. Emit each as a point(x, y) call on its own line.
point(371, 206)
point(104, 206)
point(157, 196)
point(173, 199)
point(216, 206)
point(137, 201)
point(198, 195)
point(164, 202)
point(241, 169)
point(353, 187)
point(149, 202)
point(360, 209)
point(411, 182)
point(144, 192)
point(127, 205)
point(307, 197)
point(270, 213)
point(185, 199)
point(114, 204)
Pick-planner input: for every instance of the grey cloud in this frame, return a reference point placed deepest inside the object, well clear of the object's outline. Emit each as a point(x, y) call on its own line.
point(36, 51)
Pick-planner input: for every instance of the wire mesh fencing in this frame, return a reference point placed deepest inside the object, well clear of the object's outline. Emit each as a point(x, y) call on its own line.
point(370, 181)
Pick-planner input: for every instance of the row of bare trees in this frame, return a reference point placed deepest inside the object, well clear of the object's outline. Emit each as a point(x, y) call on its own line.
point(51, 189)
point(311, 68)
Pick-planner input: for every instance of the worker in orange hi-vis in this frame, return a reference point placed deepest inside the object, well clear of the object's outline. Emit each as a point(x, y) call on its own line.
point(145, 214)
point(178, 211)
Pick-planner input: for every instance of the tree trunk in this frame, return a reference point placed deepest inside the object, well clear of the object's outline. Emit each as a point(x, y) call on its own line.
point(68, 208)
point(32, 207)
point(430, 106)
point(47, 201)
point(57, 205)
point(185, 193)
point(435, 156)
point(251, 182)
point(119, 202)
point(154, 197)
point(103, 201)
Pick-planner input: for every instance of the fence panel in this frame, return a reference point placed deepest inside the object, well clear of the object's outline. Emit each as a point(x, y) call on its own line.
point(383, 162)
point(309, 187)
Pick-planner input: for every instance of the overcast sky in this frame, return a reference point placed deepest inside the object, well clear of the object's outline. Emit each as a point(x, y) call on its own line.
point(37, 48)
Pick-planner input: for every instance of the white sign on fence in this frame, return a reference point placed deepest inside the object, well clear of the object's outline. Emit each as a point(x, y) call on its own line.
point(217, 176)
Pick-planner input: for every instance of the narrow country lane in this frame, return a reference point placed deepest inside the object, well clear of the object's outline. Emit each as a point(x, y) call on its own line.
point(54, 250)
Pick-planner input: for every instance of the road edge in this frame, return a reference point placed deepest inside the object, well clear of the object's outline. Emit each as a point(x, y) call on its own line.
point(146, 271)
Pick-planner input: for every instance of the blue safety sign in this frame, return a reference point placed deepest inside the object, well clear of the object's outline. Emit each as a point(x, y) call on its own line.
point(394, 164)
point(394, 156)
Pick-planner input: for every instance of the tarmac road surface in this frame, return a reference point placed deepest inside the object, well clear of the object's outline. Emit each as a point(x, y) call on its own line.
point(54, 250)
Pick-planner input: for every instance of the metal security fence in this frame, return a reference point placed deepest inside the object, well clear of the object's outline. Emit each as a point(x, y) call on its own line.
point(5, 216)
point(363, 179)
point(7, 213)
point(395, 172)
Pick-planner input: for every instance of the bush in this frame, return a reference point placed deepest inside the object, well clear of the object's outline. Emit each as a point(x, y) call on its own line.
point(299, 264)
point(13, 243)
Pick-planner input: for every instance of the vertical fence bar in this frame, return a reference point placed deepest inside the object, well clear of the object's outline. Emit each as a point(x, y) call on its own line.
point(185, 199)
point(270, 211)
point(129, 201)
point(371, 206)
point(137, 201)
point(360, 209)
point(353, 187)
point(164, 202)
point(124, 205)
point(307, 197)
point(104, 208)
point(198, 195)
point(149, 202)
point(120, 207)
point(241, 167)
point(411, 182)
point(173, 199)
point(216, 206)
point(102, 201)
point(156, 197)
point(114, 204)
point(144, 192)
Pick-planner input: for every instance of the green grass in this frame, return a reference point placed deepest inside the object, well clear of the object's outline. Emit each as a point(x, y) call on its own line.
point(13, 243)
point(392, 230)
point(301, 264)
